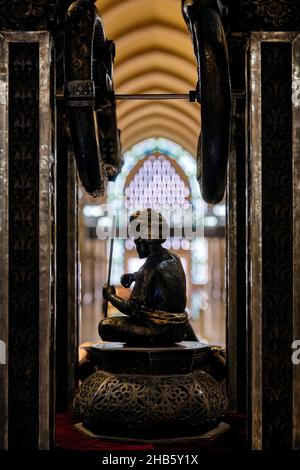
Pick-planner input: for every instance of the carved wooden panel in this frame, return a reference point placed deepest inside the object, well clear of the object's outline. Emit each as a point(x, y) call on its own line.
point(28, 206)
point(277, 244)
point(273, 241)
point(33, 15)
point(263, 15)
point(67, 300)
point(271, 14)
point(28, 14)
point(23, 243)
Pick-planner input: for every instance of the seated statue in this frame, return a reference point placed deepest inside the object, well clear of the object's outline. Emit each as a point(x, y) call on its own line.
point(155, 311)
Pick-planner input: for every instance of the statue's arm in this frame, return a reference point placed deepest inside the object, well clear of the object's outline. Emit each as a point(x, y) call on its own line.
point(131, 306)
point(128, 279)
point(124, 306)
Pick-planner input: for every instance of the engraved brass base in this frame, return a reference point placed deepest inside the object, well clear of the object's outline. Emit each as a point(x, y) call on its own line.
point(145, 403)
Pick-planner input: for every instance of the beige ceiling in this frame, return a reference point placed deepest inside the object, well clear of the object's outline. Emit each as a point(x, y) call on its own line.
point(154, 55)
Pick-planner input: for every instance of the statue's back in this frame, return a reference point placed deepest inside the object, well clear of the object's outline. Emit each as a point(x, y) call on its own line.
point(167, 290)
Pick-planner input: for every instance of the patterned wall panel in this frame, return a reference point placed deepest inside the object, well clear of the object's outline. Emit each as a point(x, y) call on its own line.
point(273, 15)
point(23, 242)
point(67, 263)
point(32, 15)
point(263, 15)
point(28, 172)
point(277, 243)
point(273, 249)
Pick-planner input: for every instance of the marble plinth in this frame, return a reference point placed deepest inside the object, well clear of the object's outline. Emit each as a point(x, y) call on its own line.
point(149, 392)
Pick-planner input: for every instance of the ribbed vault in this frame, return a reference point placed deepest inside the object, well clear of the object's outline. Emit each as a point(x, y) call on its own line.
point(154, 55)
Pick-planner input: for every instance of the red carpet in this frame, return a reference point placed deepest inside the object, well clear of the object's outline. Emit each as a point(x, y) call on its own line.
point(69, 438)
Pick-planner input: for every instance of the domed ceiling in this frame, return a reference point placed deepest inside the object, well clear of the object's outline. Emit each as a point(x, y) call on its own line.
point(154, 55)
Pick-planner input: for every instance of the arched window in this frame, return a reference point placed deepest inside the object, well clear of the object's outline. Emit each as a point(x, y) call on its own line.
point(158, 184)
point(161, 175)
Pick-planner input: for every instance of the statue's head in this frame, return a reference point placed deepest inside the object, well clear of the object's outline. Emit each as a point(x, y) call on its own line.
point(149, 230)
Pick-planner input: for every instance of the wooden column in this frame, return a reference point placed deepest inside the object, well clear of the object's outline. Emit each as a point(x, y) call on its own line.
point(67, 292)
point(27, 237)
point(263, 232)
point(236, 234)
point(273, 245)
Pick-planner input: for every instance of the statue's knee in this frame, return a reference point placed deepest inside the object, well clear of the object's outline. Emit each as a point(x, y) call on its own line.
point(104, 328)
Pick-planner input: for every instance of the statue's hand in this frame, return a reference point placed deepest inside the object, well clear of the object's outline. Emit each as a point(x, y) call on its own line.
point(127, 280)
point(108, 291)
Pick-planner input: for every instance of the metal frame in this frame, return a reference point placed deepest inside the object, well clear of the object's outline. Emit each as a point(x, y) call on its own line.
point(192, 96)
point(47, 190)
point(296, 237)
point(231, 278)
point(255, 231)
point(4, 235)
point(47, 161)
point(256, 240)
point(73, 277)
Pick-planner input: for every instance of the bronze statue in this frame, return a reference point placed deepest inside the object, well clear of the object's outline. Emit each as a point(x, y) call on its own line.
point(88, 63)
point(203, 18)
point(155, 311)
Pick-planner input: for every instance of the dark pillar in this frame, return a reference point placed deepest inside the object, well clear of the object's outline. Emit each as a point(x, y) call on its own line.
point(236, 234)
point(269, 219)
point(34, 217)
point(67, 292)
point(27, 239)
point(273, 233)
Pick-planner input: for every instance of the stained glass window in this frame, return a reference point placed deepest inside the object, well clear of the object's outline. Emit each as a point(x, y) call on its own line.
point(158, 186)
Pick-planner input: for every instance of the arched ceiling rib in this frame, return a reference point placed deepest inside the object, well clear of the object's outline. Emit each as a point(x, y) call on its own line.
point(151, 37)
point(155, 60)
point(127, 15)
point(156, 132)
point(155, 79)
point(152, 121)
point(157, 109)
point(154, 55)
point(179, 107)
point(161, 124)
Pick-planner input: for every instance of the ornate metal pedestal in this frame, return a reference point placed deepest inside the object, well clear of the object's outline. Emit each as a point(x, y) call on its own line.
point(150, 392)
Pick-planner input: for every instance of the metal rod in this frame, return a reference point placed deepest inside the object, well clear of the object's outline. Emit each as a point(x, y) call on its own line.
point(191, 97)
point(152, 96)
point(146, 96)
point(110, 263)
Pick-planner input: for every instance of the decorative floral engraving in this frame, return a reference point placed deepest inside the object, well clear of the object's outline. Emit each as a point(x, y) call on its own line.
point(32, 14)
point(142, 401)
point(277, 13)
point(23, 243)
point(277, 217)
